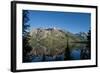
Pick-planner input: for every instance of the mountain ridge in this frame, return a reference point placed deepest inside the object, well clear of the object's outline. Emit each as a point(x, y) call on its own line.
point(51, 40)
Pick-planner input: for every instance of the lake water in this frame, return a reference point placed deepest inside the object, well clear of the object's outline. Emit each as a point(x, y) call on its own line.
point(77, 51)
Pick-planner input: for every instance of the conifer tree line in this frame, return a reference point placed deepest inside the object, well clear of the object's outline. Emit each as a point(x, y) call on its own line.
point(26, 46)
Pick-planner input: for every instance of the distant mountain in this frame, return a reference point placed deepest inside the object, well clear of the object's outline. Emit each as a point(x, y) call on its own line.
point(82, 36)
point(52, 40)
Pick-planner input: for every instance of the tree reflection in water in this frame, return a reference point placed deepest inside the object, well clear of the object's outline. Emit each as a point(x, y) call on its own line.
point(74, 51)
point(79, 51)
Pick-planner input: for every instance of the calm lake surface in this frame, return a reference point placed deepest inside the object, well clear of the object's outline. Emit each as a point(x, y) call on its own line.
point(77, 51)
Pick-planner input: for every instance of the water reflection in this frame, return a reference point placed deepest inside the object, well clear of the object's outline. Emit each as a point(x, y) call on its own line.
point(75, 54)
point(80, 51)
point(77, 51)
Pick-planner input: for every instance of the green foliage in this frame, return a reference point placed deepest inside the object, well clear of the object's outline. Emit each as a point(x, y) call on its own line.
point(26, 36)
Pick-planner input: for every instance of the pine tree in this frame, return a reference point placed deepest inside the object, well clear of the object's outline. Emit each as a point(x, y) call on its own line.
point(89, 43)
point(67, 50)
point(89, 39)
point(26, 37)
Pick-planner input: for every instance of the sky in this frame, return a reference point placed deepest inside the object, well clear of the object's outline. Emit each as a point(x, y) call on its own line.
point(68, 21)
